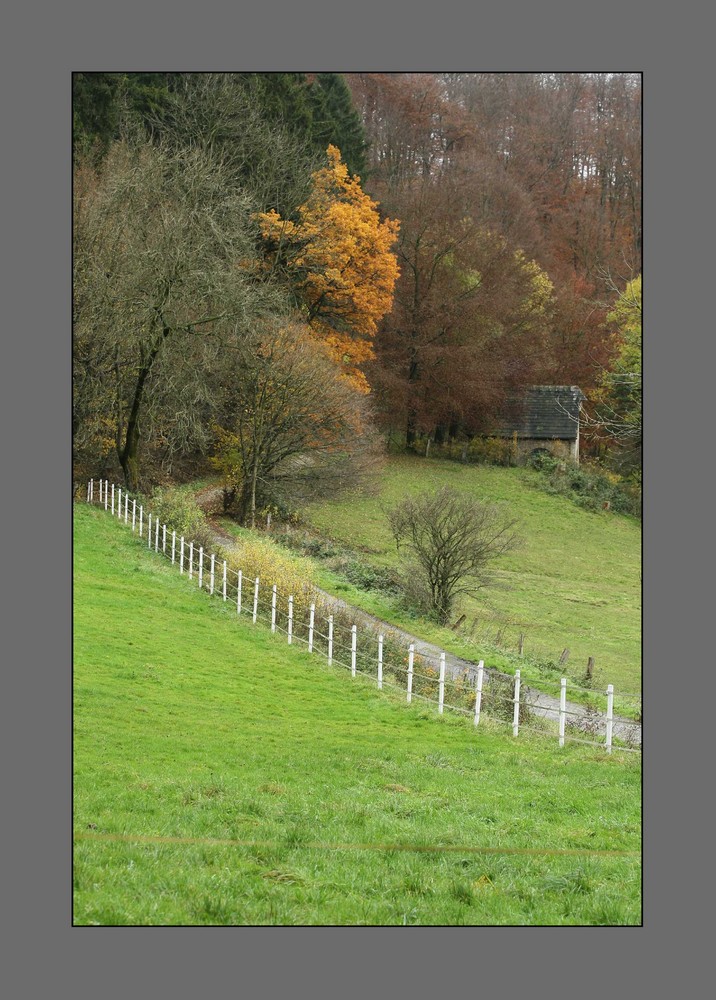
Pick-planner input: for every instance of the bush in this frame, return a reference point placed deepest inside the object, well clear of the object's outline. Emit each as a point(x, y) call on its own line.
point(263, 558)
point(178, 509)
point(588, 485)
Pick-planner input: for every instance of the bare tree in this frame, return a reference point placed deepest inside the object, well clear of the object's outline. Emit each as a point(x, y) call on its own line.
point(159, 290)
point(452, 537)
point(293, 427)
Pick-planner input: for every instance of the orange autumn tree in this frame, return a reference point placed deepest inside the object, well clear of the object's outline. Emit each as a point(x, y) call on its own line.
point(338, 258)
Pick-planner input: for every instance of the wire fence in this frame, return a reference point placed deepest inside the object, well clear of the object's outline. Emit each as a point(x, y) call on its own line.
point(309, 620)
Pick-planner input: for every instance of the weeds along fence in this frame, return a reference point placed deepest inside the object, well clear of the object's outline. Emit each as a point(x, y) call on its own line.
point(308, 619)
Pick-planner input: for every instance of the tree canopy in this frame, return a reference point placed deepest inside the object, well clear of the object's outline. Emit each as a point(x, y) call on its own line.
point(338, 257)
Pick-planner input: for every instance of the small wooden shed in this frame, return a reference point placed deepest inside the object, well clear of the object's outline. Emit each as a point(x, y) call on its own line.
point(545, 418)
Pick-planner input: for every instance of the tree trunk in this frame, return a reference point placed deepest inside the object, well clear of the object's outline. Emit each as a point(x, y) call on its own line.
point(129, 454)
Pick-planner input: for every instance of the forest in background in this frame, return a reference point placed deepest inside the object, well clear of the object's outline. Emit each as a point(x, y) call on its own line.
point(274, 272)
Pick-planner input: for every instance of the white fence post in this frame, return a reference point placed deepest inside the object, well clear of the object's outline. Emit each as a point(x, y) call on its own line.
point(330, 640)
point(191, 560)
point(134, 513)
point(610, 715)
point(238, 592)
point(106, 494)
point(126, 507)
point(89, 491)
point(112, 498)
point(273, 608)
point(311, 620)
point(181, 554)
point(290, 618)
point(174, 546)
point(562, 708)
point(516, 715)
point(223, 588)
point(141, 515)
point(411, 660)
point(478, 692)
point(156, 535)
point(354, 648)
point(164, 539)
point(441, 688)
point(119, 504)
point(149, 533)
point(201, 565)
point(380, 661)
point(256, 600)
point(100, 491)
point(211, 574)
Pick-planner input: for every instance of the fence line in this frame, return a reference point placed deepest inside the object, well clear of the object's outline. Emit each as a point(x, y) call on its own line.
point(478, 692)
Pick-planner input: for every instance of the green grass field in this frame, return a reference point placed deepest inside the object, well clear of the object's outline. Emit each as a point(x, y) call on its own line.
point(222, 778)
point(576, 584)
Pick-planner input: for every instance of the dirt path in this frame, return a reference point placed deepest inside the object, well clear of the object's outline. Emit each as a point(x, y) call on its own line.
point(541, 704)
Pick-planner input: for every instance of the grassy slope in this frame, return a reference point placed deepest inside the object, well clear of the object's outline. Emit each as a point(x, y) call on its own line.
point(576, 584)
point(191, 724)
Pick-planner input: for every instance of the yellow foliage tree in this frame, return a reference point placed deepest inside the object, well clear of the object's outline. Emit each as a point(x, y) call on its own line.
point(338, 257)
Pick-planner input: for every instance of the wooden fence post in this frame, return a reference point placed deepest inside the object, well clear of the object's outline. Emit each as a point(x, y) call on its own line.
point(141, 514)
point(106, 494)
point(516, 715)
point(562, 708)
point(126, 508)
point(238, 592)
point(191, 560)
point(380, 661)
point(100, 491)
point(224, 581)
point(174, 546)
point(273, 608)
point(411, 660)
point(181, 554)
point(522, 644)
point(113, 498)
point(164, 539)
point(156, 536)
point(211, 574)
point(441, 687)
point(590, 668)
point(330, 640)
point(256, 600)
point(201, 565)
point(311, 621)
point(478, 692)
point(290, 618)
point(354, 648)
point(610, 715)
point(149, 532)
point(134, 513)
point(119, 503)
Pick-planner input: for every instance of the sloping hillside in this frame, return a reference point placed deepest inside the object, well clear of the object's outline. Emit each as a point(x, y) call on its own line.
point(222, 778)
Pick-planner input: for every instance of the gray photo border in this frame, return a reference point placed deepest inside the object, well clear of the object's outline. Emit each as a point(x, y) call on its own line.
point(44, 47)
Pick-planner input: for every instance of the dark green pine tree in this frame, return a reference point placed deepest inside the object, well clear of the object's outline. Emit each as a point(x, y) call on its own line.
point(336, 121)
point(102, 101)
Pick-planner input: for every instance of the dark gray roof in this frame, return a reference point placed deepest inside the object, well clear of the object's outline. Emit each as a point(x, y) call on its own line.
point(545, 411)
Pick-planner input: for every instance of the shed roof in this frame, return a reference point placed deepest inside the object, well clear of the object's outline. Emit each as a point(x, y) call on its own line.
point(546, 411)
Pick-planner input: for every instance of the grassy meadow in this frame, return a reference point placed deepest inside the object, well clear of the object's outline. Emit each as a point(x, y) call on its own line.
point(575, 584)
point(223, 778)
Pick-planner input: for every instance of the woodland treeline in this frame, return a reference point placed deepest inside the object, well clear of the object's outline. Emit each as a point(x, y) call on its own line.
point(274, 272)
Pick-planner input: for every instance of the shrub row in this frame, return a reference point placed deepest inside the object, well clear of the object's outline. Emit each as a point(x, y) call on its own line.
point(588, 485)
